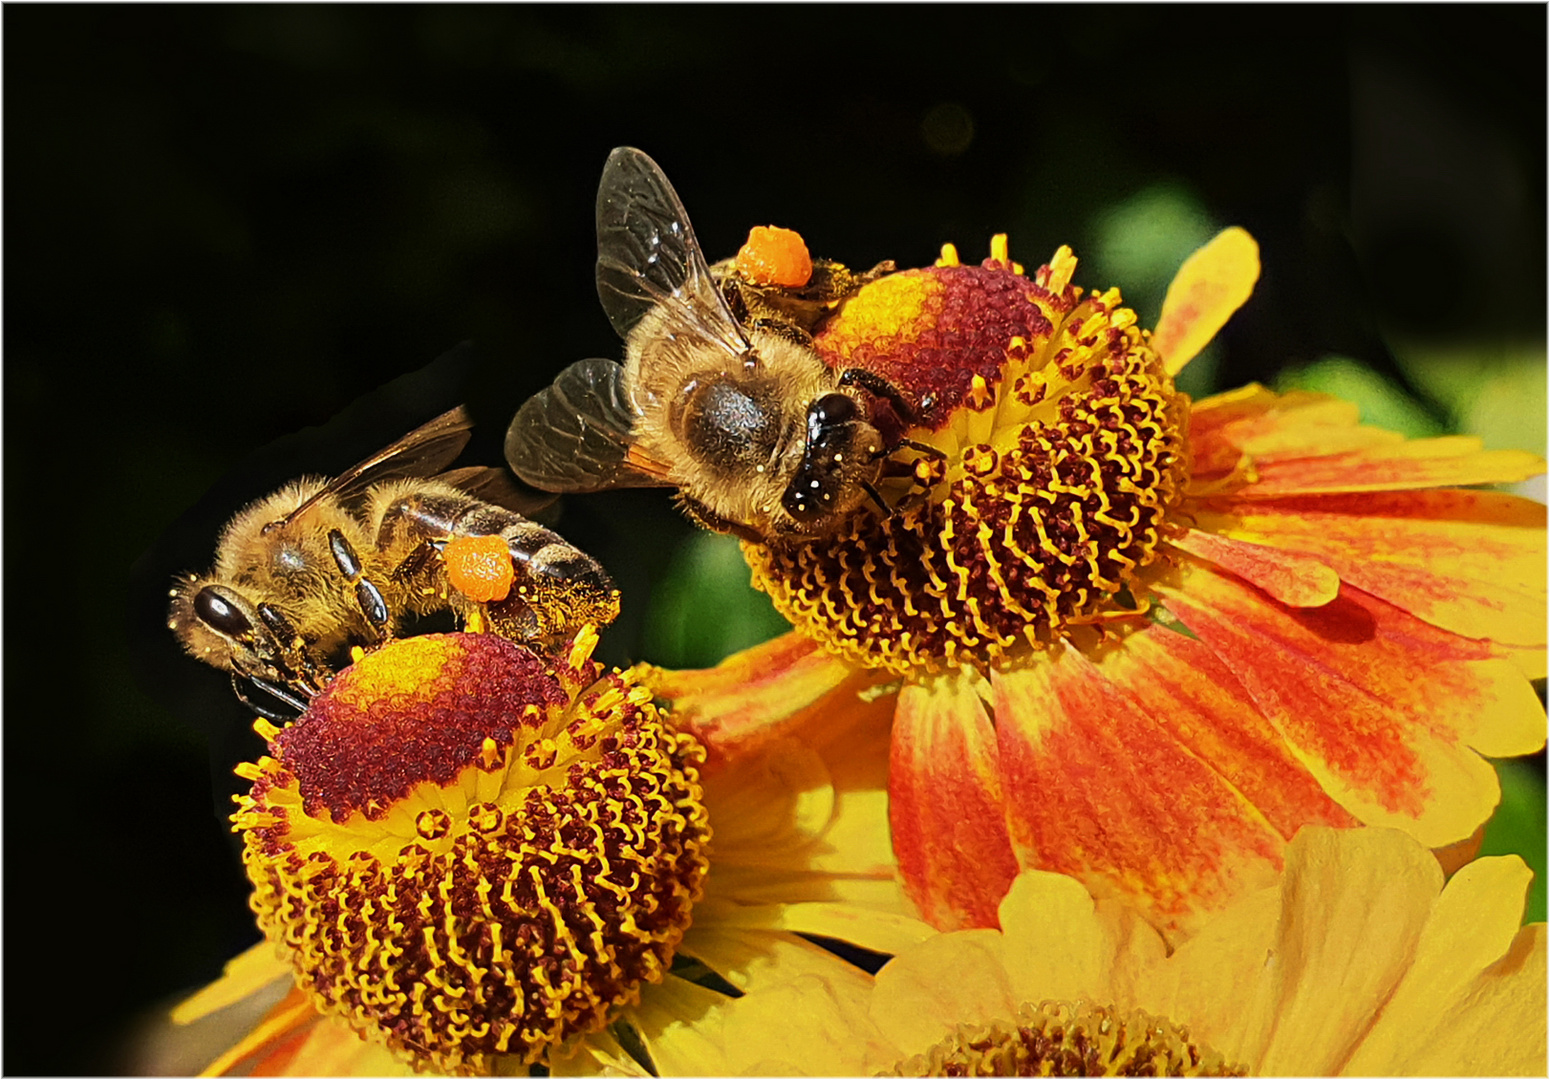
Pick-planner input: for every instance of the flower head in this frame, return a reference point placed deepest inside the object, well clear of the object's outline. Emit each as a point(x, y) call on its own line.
point(472, 857)
point(1357, 962)
point(538, 842)
point(1062, 450)
point(1138, 639)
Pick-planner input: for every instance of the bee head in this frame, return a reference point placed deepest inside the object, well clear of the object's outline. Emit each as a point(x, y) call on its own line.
point(839, 463)
point(218, 625)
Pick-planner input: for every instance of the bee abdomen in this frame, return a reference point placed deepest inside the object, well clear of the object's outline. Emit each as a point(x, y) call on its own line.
point(575, 588)
point(562, 561)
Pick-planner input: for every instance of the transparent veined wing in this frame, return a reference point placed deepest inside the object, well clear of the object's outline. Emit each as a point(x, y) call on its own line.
point(647, 255)
point(425, 451)
point(574, 435)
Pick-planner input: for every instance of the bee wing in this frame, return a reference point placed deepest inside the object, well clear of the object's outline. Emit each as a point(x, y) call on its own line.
point(574, 435)
point(426, 450)
point(647, 255)
point(493, 485)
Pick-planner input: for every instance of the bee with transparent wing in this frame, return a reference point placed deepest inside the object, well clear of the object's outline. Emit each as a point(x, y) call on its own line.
point(323, 566)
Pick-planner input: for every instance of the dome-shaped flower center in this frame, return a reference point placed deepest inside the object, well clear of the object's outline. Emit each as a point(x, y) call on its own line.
point(1063, 452)
point(469, 851)
point(1063, 1039)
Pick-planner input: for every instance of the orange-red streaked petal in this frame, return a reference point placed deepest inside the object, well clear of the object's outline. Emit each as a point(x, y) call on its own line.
point(1260, 444)
point(1268, 425)
point(945, 805)
point(276, 1038)
point(752, 696)
point(1098, 788)
point(1213, 283)
point(1472, 562)
point(1201, 703)
point(1379, 705)
point(1449, 461)
point(330, 1048)
point(1299, 580)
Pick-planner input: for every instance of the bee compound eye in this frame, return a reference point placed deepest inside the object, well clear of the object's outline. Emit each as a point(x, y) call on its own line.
point(220, 614)
point(834, 409)
point(803, 498)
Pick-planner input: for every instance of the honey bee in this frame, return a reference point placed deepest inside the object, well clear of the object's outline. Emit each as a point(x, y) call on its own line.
point(761, 437)
point(321, 566)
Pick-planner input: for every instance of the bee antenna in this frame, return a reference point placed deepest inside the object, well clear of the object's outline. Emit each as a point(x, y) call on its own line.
point(936, 453)
point(876, 496)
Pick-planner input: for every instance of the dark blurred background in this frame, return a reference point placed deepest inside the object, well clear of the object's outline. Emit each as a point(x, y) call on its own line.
point(238, 239)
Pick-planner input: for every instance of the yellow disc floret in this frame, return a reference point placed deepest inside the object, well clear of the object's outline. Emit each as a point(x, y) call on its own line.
point(468, 851)
point(1069, 1039)
point(1061, 451)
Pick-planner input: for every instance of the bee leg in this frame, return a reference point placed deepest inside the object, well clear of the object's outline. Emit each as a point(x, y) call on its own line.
point(876, 384)
point(372, 603)
point(877, 497)
point(882, 269)
point(792, 333)
point(936, 453)
point(293, 660)
point(704, 516)
point(418, 561)
point(297, 704)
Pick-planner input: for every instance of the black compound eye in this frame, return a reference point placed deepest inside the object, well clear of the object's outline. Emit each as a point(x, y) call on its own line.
point(833, 409)
point(809, 495)
point(220, 614)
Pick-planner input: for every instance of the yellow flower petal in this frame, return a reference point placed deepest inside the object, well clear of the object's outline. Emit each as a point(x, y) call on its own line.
point(1472, 927)
point(879, 929)
point(811, 1026)
point(1288, 980)
point(244, 974)
point(1499, 1028)
point(680, 1023)
point(1216, 982)
point(751, 959)
point(597, 1054)
point(1354, 906)
point(946, 980)
point(801, 1011)
point(294, 1017)
point(1055, 945)
point(772, 805)
point(331, 1049)
point(1211, 285)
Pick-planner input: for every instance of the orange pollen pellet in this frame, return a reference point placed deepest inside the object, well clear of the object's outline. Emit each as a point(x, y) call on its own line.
point(775, 256)
point(479, 567)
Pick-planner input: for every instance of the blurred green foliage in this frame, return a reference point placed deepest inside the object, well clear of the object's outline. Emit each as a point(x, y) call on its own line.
point(1382, 401)
point(704, 608)
point(1139, 242)
point(1490, 389)
point(1519, 825)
